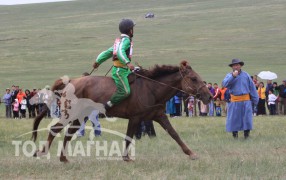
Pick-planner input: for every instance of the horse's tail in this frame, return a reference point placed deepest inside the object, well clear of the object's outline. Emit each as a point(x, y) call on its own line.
point(58, 85)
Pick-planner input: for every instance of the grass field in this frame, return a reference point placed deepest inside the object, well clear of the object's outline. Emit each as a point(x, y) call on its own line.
point(42, 42)
point(263, 156)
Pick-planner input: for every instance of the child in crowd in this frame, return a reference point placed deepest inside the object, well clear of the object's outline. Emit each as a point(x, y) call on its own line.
point(16, 109)
point(271, 102)
point(191, 106)
point(218, 108)
point(23, 107)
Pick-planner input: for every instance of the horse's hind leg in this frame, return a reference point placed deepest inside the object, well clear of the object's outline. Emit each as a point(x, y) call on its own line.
point(55, 129)
point(70, 132)
point(165, 123)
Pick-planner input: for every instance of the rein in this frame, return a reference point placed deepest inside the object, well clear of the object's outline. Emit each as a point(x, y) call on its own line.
point(158, 82)
point(164, 84)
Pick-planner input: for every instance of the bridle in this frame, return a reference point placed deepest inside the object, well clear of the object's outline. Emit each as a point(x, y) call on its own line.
point(189, 87)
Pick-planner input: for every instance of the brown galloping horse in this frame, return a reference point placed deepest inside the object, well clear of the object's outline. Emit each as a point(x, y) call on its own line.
point(146, 101)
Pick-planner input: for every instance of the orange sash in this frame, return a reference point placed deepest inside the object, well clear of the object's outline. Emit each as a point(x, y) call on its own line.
point(117, 63)
point(244, 97)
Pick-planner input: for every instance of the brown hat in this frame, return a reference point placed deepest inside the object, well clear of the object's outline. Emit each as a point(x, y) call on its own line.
point(236, 61)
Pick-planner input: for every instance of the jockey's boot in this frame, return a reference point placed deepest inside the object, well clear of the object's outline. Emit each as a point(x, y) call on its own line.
point(108, 105)
point(235, 134)
point(246, 134)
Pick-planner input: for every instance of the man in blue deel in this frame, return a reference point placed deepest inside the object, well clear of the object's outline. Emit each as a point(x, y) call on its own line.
point(243, 93)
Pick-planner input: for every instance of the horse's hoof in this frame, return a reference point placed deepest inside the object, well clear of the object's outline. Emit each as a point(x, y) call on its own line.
point(127, 159)
point(194, 157)
point(64, 159)
point(36, 154)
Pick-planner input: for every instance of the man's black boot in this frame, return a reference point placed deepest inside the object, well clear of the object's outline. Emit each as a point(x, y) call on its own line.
point(235, 134)
point(246, 134)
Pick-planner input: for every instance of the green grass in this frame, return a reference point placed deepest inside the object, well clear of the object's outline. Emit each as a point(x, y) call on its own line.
point(221, 157)
point(41, 42)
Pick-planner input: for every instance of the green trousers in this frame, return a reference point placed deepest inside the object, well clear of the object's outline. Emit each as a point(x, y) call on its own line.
point(120, 76)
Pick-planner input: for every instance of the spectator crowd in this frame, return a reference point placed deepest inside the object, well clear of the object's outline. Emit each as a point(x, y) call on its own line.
point(27, 104)
point(272, 97)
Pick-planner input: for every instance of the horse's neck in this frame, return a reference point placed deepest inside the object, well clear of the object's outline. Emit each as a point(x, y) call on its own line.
point(168, 88)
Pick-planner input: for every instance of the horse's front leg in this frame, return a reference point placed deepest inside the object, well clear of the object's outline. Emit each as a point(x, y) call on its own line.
point(55, 129)
point(131, 130)
point(165, 123)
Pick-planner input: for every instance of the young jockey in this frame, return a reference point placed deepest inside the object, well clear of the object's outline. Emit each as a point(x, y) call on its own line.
point(121, 53)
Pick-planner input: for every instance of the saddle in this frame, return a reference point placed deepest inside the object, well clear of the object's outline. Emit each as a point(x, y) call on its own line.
point(132, 77)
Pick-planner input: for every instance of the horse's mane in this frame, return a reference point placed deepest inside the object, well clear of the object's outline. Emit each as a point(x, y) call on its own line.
point(158, 71)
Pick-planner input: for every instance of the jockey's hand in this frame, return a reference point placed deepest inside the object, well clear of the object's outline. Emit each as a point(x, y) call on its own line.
point(130, 66)
point(95, 65)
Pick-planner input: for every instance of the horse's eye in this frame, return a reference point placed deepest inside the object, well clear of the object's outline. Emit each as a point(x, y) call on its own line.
point(193, 78)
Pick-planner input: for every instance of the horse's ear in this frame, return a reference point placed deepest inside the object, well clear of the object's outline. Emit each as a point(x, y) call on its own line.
point(184, 63)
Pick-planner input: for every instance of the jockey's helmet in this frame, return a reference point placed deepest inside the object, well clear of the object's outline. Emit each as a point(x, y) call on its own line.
point(126, 25)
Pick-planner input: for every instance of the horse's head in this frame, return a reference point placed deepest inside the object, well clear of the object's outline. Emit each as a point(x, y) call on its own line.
point(193, 84)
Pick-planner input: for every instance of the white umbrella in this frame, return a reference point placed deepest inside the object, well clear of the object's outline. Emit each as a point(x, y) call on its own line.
point(268, 75)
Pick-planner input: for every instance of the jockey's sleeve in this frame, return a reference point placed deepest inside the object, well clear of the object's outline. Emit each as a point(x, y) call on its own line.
point(123, 47)
point(104, 55)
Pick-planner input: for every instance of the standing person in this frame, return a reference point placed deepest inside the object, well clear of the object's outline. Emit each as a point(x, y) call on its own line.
point(16, 109)
point(271, 102)
point(269, 86)
point(282, 98)
point(20, 97)
point(33, 106)
point(276, 93)
point(170, 107)
point(40, 101)
point(7, 98)
point(217, 97)
point(186, 97)
point(191, 103)
point(255, 80)
point(178, 104)
point(23, 107)
point(28, 97)
point(211, 104)
point(223, 102)
point(261, 110)
point(93, 117)
point(243, 93)
point(204, 109)
point(14, 92)
point(121, 53)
